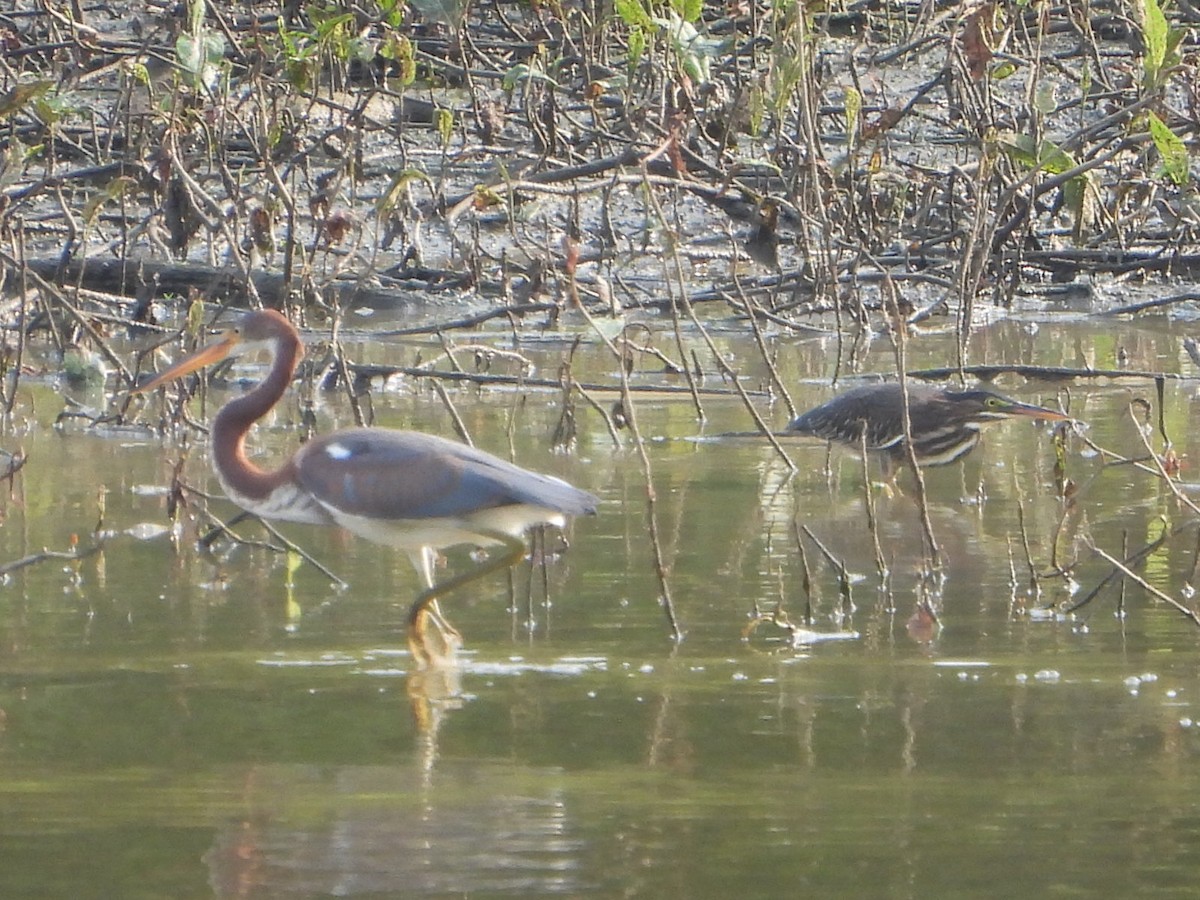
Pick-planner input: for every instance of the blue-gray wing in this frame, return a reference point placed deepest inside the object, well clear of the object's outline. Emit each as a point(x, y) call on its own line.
point(382, 474)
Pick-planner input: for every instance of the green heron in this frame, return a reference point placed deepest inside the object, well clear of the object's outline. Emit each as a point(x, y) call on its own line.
point(944, 423)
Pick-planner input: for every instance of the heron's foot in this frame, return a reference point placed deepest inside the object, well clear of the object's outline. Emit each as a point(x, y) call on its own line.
point(437, 646)
point(889, 489)
point(450, 637)
point(778, 617)
point(432, 647)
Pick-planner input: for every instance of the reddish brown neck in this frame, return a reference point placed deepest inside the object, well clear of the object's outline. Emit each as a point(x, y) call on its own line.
point(237, 416)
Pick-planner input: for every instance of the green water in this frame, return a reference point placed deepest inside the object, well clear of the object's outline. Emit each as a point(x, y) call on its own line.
point(176, 723)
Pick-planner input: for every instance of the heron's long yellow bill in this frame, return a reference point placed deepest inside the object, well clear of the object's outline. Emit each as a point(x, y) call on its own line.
point(205, 356)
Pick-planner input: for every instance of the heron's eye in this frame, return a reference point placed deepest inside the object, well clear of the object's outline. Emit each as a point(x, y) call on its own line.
point(993, 401)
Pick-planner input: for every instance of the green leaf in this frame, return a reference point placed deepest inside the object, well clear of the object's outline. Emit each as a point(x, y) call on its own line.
point(139, 73)
point(195, 318)
point(392, 12)
point(633, 14)
point(444, 121)
point(395, 192)
point(199, 56)
point(1004, 70)
point(758, 107)
point(196, 9)
point(334, 27)
point(190, 53)
point(114, 190)
point(55, 106)
point(300, 73)
point(637, 47)
point(853, 101)
point(1047, 155)
point(399, 50)
point(1044, 99)
point(1154, 32)
point(1174, 38)
point(694, 51)
point(1079, 196)
point(1172, 149)
point(291, 39)
point(523, 72)
point(21, 95)
point(788, 74)
point(688, 10)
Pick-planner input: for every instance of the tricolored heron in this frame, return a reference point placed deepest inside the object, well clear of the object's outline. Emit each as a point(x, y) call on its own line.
point(417, 492)
point(944, 423)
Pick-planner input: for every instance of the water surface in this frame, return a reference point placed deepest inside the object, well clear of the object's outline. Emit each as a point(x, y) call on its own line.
point(183, 723)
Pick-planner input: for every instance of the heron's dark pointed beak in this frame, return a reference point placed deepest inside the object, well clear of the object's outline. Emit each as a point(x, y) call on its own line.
point(1029, 411)
point(205, 356)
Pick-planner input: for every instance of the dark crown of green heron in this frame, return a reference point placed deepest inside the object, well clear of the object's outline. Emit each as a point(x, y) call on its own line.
point(944, 423)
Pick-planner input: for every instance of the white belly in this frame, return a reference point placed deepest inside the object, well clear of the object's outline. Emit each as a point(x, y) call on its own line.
point(478, 528)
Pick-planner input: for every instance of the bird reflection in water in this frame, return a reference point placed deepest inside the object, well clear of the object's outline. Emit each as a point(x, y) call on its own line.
point(474, 828)
point(417, 492)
